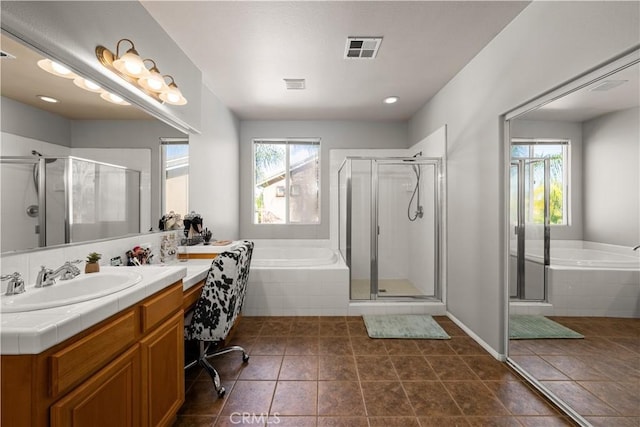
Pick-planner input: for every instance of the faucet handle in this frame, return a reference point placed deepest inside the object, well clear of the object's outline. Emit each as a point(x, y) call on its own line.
point(16, 284)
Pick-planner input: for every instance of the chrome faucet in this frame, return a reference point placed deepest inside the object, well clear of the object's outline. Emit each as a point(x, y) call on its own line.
point(15, 285)
point(47, 276)
point(636, 248)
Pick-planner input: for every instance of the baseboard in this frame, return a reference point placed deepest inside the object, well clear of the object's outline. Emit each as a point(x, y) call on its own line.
point(476, 338)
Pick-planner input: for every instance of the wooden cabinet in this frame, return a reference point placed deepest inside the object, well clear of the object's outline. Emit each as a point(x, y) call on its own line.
point(107, 399)
point(127, 370)
point(161, 351)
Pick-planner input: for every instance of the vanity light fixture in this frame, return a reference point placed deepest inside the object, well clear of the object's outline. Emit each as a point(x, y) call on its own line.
point(153, 81)
point(173, 95)
point(132, 68)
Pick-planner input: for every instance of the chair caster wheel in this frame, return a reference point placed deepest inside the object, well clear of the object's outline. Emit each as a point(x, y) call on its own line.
point(221, 392)
point(245, 357)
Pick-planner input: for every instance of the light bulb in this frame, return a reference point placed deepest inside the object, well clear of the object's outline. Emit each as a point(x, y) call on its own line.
point(60, 69)
point(91, 85)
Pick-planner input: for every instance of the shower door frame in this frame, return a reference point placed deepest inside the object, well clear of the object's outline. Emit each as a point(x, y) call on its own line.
point(374, 233)
point(520, 163)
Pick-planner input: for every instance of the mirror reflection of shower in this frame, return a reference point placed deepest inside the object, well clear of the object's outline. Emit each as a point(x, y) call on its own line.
point(419, 212)
point(33, 210)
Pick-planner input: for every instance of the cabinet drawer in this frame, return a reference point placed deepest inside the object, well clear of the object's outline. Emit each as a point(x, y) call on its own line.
point(192, 295)
point(161, 306)
point(82, 358)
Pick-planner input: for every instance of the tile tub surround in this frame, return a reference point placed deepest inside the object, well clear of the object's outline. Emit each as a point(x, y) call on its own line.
point(325, 371)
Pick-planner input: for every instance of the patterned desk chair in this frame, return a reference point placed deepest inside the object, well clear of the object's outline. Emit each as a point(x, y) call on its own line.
point(218, 307)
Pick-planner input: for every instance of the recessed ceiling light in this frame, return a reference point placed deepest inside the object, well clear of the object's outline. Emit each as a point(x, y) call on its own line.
point(391, 100)
point(47, 99)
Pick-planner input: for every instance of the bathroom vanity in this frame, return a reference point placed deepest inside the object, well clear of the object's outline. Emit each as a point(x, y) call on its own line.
point(124, 367)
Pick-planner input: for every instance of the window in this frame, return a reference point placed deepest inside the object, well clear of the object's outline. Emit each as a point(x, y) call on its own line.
point(558, 153)
point(175, 175)
point(286, 181)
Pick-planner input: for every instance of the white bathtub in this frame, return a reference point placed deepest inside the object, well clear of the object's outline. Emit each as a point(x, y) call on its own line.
point(296, 278)
point(292, 256)
point(590, 255)
point(588, 279)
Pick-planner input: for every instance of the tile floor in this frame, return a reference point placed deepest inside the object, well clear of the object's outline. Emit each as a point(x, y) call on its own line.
point(326, 371)
point(599, 376)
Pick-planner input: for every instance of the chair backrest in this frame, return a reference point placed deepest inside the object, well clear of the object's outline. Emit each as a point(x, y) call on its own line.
point(222, 295)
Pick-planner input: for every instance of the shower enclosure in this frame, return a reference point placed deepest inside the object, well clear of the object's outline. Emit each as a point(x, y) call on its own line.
point(390, 229)
point(53, 200)
point(530, 228)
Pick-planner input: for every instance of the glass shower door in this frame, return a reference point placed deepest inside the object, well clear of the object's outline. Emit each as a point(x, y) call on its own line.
point(406, 232)
point(359, 212)
point(530, 192)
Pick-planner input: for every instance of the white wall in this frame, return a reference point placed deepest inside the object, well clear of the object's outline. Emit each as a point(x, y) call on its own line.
point(547, 44)
point(561, 130)
point(24, 120)
point(333, 134)
point(214, 169)
point(612, 178)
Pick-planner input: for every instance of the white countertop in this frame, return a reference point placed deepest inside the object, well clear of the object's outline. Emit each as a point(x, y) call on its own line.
point(207, 249)
point(33, 332)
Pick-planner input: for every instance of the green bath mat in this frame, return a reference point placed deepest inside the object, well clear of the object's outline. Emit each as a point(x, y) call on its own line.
point(528, 327)
point(414, 326)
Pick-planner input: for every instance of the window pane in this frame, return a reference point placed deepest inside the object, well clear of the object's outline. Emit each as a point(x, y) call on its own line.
point(558, 196)
point(270, 205)
point(304, 175)
point(286, 182)
point(176, 178)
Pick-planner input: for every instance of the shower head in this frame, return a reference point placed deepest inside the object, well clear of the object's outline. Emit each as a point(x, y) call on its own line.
point(39, 154)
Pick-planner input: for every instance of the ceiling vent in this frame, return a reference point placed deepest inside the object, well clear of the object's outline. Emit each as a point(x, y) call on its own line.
point(362, 47)
point(607, 85)
point(6, 55)
point(294, 84)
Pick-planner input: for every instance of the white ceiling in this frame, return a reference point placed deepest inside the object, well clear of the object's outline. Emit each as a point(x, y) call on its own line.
point(586, 103)
point(245, 50)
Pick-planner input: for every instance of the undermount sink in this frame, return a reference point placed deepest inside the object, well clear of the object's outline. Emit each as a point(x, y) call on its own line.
point(64, 292)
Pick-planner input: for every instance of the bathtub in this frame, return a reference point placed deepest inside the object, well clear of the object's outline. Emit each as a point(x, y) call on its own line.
point(296, 278)
point(587, 279)
point(292, 256)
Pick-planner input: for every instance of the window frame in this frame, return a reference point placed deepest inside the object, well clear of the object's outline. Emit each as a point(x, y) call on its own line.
point(287, 142)
point(164, 141)
point(566, 168)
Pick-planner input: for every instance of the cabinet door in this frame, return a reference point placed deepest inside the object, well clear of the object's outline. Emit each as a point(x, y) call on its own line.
point(109, 398)
point(163, 372)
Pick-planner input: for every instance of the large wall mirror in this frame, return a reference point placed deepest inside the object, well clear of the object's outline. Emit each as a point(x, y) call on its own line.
point(574, 276)
point(75, 170)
